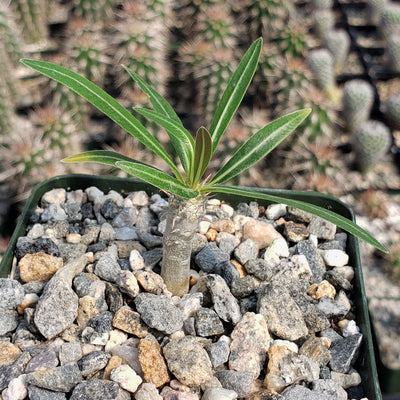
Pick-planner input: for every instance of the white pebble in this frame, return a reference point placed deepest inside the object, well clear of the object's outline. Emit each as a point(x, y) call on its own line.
point(126, 377)
point(280, 247)
point(287, 343)
point(116, 338)
point(335, 257)
point(73, 238)
point(136, 260)
point(219, 394)
point(302, 266)
point(227, 209)
point(16, 389)
point(314, 240)
point(204, 226)
point(348, 327)
point(275, 211)
point(36, 232)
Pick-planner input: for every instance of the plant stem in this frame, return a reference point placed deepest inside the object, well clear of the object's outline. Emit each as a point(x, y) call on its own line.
point(183, 217)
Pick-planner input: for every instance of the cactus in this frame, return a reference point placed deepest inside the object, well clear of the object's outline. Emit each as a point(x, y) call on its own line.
point(374, 11)
point(322, 4)
point(323, 22)
point(94, 11)
point(292, 40)
point(390, 20)
point(391, 110)
point(32, 18)
point(320, 62)
point(357, 102)
point(393, 51)
point(371, 142)
point(338, 43)
point(10, 35)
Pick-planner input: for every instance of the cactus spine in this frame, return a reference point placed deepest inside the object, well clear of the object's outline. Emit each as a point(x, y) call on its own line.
point(357, 101)
point(320, 62)
point(390, 20)
point(391, 109)
point(371, 142)
point(393, 51)
point(338, 43)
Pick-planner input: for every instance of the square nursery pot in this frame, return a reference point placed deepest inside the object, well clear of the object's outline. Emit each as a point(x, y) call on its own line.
point(365, 364)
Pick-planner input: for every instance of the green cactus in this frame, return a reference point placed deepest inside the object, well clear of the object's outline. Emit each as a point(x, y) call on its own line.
point(10, 35)
point(291, 40)
point(393, 51)
point(390, 20)
point(94, 10)
point(357, 102)
point(320, 62)
point(338, 41)
point(374, 10)
point(32, 18)
point(391, 110)
point(371, 141)
point(323, 22)
point(322, 4)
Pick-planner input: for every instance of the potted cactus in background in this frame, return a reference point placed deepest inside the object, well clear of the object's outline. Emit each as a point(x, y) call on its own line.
point(188, 190)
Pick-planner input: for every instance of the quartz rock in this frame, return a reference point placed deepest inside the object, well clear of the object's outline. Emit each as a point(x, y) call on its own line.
point(298, 392)
point(335, 257)
point(351, 379)
point(275, 211)
point(338, 307)
point(16, 389)
point(126, 377)
point(189, 304)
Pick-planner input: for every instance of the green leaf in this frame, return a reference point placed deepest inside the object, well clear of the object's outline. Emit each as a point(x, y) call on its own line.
point(180, 137)
point(235, 92)
point(105, 103)
point(158, 102)
point(100, 156)
point(328, 215)
point(259, 145)
point(202, 154)
point(157, 178)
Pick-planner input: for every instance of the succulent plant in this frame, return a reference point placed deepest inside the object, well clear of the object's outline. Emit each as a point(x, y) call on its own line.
point(374, 10)
point(391, 110)
point(323, 22)
point(95, 11)
point(357, 102)
point(10, 34)
point(338, 41)
point(393, 51)
point(291, 40)
point(371, 141)
point(322, 4)
point(31, 16)
point(390, 20)
point(320, 62)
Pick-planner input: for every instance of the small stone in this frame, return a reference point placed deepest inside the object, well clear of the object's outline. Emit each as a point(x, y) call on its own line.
point(136, 260)
point(150, 281)
point(223, 225)
point(330, 388)
point(280, 247)
point(147, 391)
point(54, 196)
point(125, 233)
point(188, 361)
point(315, 261)
point(351, 379)
point(286, 343)
point(8, 321)
point(284, 317)
point(170, 394)
point(37, 393)
point(89, 335)
point(335, 257)
point(16, 389)
point(275, 211)
point(348, 327)
point(126, 218)
point(95, 389)
point(300, 215)
point(315, 349)
point(322, 229)
point(338, 307)
point(107, 268)
point(227, 210)
point(209, 257)
point(129, 321)
point(139, 198)
point(346, 271)
point(116, 337)
point(239, 381)
point(59, 379)
point(129, 353)
point(39, 267)
point(324, 288)
point(158, 312)
point(113, 362)
point(228, 272)
point(189, 304)
point(344, 353)
point(73, 238)
point(219, 394)
point(261, 268)
point(102, 322)
point(338, 280)
point(113, 297)
point(25, 246)
point(261, 232)
point(204, 226)
point(11, 294)
point(8, 353)
point(42, 361)
point(70, 353)
point(298, 392)
point(93, 362)
point(207, 323)
point(12, 370)
point(244, 287)
point(127, 283)
point(295, 232)
point(227, 242)
point(219, 351)
point(250, 343)
point(247, 250)
point(152, 362)
point(36, 232)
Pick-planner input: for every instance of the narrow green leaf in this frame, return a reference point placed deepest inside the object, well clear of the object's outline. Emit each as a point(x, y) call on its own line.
point(259, 145)
point(158, 102)
point(235, 92)
point(105, 103)
point(202, 154)
point(328, 215)
point(180, 137)
point(157, 178)
point(100, 156)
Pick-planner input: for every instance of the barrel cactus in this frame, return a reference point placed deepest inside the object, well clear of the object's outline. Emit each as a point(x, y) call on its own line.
point(320, 62)
point(371, 141)
point(393, 51)
point(323, 22)
point(390, 20)
point(337, 41)
point(391, 110)
point(374, 10)
point(357, 102)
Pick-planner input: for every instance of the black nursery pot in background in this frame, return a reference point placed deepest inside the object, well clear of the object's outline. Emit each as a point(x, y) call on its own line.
point(366, 362)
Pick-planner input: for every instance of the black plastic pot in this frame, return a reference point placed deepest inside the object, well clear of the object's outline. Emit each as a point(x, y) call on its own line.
point(366, 362)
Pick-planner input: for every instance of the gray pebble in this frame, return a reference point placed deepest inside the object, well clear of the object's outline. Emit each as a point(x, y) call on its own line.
point(37, 393)
point(207, 323)
point(219, 351)
point(315, 261)
point(42, 361)
point(247, 250)
point(95, 389)
point(239, 381)
point(209, 257)
point(344, 353)
point(107, 268)
point(93, 362)
point(13, 370)
point(70, 352)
